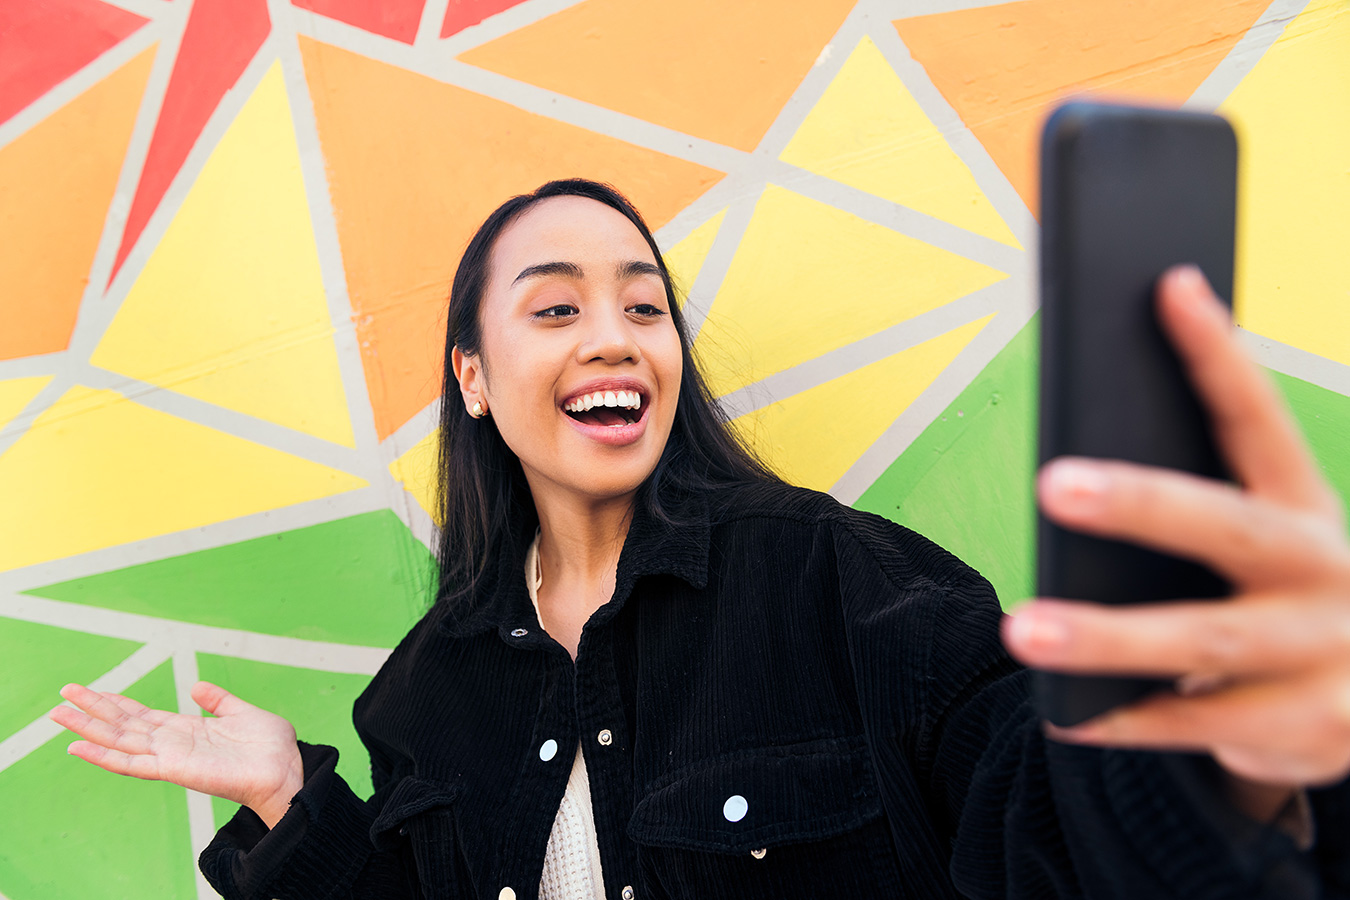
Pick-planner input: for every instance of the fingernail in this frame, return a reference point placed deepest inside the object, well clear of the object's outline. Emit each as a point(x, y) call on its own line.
point(1198, 683)
point(1036, 631)
point(1074, 734)
point(1079, 483)
point(1189, 277)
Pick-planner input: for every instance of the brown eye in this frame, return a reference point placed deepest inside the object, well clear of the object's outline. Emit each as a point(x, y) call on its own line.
point(558, 311)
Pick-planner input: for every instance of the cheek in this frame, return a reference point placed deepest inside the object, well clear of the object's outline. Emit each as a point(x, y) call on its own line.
point(672, 366)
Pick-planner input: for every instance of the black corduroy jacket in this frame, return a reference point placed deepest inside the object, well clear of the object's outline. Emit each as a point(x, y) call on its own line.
point(790, 698)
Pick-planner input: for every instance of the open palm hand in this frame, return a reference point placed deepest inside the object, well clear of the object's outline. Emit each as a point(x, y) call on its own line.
point(244, 754)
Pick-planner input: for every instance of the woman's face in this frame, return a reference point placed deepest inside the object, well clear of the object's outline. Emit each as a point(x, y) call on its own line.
point(580, 362)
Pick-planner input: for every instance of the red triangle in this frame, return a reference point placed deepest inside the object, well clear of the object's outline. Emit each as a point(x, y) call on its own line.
point(218, 43)
point(42, 44)
point(461, 14)
point(397, 19)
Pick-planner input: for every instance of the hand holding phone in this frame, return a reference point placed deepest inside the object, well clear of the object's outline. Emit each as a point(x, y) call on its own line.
point(1127, 192)
point(1272, 660)
point(1265, 672)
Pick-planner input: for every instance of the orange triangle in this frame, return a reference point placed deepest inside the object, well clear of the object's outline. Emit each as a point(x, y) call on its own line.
point(709, 68)
point(407, 207)
point(57, 181)
point(1003, 67)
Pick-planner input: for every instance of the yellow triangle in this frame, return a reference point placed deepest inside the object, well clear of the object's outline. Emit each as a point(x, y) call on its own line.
point(1294, 185)
point(809, 278)
point(685, 259)
point(230, 308)
point(17, 393)
point(868, 132)
point(96, 470)
point(813, 437)
point(416, 471)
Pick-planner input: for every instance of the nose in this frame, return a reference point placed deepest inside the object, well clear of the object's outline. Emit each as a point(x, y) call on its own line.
point(608, 337)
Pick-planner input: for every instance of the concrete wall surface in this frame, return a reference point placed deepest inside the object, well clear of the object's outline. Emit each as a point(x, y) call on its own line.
point(227, 230)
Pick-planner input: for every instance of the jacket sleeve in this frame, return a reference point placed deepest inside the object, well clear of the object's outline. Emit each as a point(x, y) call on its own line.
point(321, 848)
point(948, 717)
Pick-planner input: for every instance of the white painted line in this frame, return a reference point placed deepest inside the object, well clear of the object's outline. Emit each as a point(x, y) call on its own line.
point(201, 819)
point(327, 657)
point(170, 26)
point(184, 677)
point(1007, 202)
point(948, 385)
point(323, 222)
point(117, 680)
point(281, 438)
point(201, 829)
point(206, 537)
point(717, 262)
point(1244, 55)
point(80, 81)
point(429, 28)
point(148, 8)
point(498, 25)
point(1300, 364)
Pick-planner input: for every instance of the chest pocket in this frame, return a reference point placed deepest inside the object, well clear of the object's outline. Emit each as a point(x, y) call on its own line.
point(803, 820)
point(418, 821)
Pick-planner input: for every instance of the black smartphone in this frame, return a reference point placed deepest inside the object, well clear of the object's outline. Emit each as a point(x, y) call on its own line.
point(1126, 193)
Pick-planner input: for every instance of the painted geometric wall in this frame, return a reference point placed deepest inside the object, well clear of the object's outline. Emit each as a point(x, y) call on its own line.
point(227, 228)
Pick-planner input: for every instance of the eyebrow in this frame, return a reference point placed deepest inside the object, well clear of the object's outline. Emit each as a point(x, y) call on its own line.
point(631, 269)
point(566, 269)
point(634, 268)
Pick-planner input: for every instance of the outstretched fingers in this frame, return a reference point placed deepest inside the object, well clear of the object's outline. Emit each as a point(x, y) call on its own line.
point(98, 732)
point(1236, 724)
point(105, 708)
point(116, 761)
point(1254, 638)
point(1251, 539)
point(108, 720)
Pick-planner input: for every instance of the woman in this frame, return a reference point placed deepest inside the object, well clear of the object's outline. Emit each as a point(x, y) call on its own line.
point(655, 671)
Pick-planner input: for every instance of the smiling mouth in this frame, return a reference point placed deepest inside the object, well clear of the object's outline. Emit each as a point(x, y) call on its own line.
point(611, 409)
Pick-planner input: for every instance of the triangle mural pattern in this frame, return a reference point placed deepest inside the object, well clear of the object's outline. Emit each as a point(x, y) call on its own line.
point(230, 228)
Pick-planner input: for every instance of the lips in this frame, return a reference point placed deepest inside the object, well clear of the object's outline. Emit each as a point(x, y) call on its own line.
point(611, 412)
point(610, 408)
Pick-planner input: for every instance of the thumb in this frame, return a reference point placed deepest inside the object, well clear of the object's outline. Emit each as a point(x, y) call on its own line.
point(216, 700)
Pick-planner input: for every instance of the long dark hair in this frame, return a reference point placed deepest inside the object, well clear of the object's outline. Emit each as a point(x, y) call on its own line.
point(482, 495)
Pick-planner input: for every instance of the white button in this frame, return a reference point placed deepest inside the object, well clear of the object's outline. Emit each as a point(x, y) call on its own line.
point(519, 632)
point(627, 892)
point(735, 808)
point(506, 894)
point(760, 853)
point(548, 749)
point(605, 738)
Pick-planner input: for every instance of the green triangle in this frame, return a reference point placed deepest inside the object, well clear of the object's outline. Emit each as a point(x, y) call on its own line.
point(966, 481)
point(73, 830)
point(318, 704)
point(359, 580)
point(39, 659)
point(1324, 417)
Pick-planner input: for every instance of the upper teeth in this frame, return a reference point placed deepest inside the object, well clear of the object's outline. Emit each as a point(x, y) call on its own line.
point(624, 399)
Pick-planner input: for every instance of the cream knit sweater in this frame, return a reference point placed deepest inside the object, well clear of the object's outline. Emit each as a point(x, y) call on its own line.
point(572, 860)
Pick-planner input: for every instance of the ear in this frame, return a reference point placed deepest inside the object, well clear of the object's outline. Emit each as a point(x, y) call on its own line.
point(469, 374)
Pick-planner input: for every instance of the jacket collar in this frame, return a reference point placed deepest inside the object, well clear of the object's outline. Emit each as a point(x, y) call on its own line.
point(653, 547)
